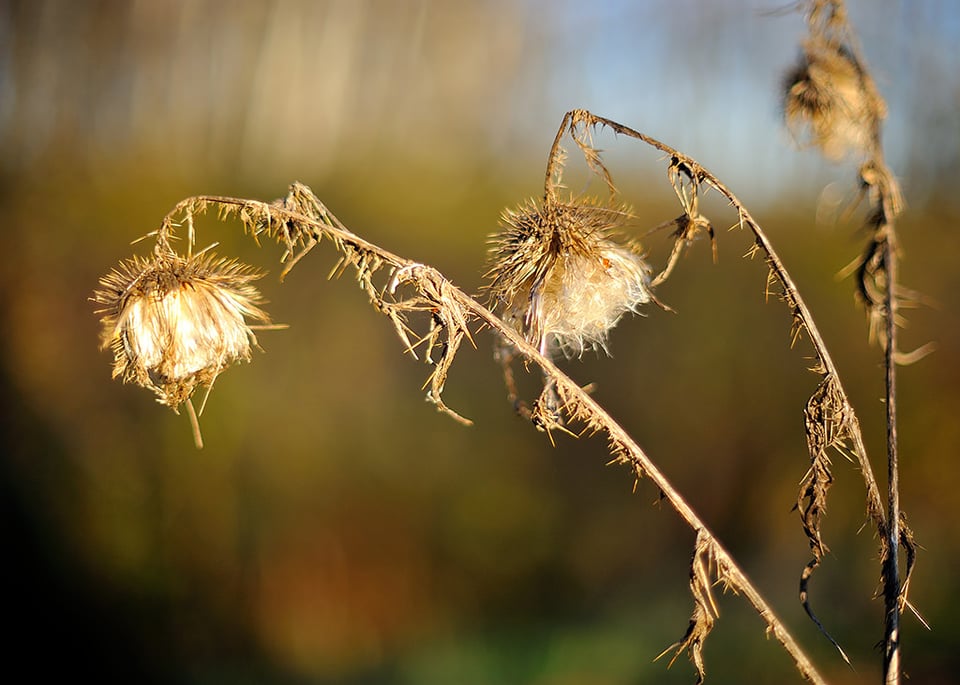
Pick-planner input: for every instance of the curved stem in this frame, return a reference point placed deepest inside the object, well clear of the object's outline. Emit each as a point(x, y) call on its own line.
point(598, 418)
point(801, 311)
point(577, 401)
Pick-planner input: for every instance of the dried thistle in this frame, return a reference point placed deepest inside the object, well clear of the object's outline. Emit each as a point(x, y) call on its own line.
point(830, 101)
point(832, 93)
point(300, 222)
point(561, 278)
point(175, 323)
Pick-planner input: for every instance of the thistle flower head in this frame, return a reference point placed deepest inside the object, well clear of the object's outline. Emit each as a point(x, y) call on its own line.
point(830, 102)
point(560, 277)
point(175, 323)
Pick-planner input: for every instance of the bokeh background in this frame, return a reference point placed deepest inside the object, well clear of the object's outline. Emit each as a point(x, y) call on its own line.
point(336, 529)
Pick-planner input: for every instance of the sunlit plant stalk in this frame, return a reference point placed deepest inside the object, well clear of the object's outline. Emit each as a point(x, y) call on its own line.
point(301, 222)
point(831, 102)
point(433, 317)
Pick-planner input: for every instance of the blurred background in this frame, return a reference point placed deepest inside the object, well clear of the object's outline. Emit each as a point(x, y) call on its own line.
point(335, 528)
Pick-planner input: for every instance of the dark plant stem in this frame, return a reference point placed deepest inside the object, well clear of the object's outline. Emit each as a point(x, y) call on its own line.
point(891, 574)
point(878, 289)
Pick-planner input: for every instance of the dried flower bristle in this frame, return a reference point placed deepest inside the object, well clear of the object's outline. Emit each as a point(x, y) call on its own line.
point(175, 323)
point(559, 276)
point(831, 102)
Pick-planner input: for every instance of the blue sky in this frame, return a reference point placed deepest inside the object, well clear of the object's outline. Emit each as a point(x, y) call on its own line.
point(293, 84)
point(704, 76)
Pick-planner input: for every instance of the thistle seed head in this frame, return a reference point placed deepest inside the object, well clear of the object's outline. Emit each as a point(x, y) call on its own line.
point(830, 102)
point(175, 323)
point(559, 276)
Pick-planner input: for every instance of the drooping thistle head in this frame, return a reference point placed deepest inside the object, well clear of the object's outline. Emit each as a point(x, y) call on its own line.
point(175, 323)
point(829, 99)
point(559, 276)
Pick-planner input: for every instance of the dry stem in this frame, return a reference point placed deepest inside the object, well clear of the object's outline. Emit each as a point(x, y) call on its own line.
point(300, 222)
point(818, 95)
point(838, 420)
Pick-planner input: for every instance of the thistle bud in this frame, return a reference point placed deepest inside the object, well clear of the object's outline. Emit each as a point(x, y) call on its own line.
point(559, 276)
point(175, 323)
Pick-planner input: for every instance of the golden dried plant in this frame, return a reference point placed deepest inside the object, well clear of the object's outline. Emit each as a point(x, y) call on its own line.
point(300, 222)
point(539, 264)
point(175, 323)
point(560, 277)
point(832, 95)
point(830, 102)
